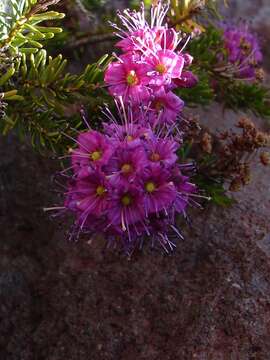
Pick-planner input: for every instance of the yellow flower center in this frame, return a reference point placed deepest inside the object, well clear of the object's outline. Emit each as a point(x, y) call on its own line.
point(159, 105)
point(100, 190)
point(129, 138)
point(245, 45)
point(96, 155)
point(126, 200)
point(161, 68)
point(155, 157)
point(150, 187)
point(132, 78)
point(126, 168)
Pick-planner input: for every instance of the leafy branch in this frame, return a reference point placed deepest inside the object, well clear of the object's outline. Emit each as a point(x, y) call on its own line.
point(21, 35)
point(19, 25)
point(241, 96)
point(49, 98)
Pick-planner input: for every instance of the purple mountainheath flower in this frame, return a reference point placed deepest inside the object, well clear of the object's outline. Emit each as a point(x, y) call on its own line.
point(128, 78)
point(161, 150)
point(159, 191)
point(165, 108)
point(126, 163)
point(91, 193)
point(243, 50)
point(94, 150)
point(166, 65)
point(126, 208)
point(130, 134)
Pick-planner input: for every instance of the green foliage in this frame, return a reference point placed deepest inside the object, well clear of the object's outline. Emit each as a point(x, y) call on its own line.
point(211, 185)
point(214, 189)
point(201, 94)
point(212, 7)
point(205, 49)
point(22, 35)
point(45, 98)
point(52, 99)
point(20, 28)
point(241, 95)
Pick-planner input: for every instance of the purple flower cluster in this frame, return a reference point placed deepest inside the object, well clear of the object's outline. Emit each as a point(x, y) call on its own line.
point(243, 50)
point(127, 184)
point(150, 66)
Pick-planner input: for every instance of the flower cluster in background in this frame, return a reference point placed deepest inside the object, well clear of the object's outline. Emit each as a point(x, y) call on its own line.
point(243, 50)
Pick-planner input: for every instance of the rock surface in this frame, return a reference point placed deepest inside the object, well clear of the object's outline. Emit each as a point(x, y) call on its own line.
point(210, 300)
point(58, 300)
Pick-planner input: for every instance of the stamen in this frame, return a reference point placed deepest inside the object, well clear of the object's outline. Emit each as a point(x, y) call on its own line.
point(126, 168)
point(132, 78)
point(161, 68)
point(100, 190)
point(96, 155)
point(155, 157)
point(150, 187)
point(126, 200)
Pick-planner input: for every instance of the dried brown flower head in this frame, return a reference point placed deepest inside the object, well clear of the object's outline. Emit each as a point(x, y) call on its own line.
point(207, 143)
point(265, 158)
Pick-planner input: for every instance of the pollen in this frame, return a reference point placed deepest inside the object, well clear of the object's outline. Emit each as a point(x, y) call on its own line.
point(161, 68)
point(100, 190)
point(96, 155)
point(150, 187)
point(155, 157)
point(126, 200)
point(126, 168)
point(132, 78)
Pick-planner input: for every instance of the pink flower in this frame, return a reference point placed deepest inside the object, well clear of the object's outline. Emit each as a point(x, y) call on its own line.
point(166, 65)
point(94, 150)
point(128, 78)
point(159, 191)
point(126, 209)
point(187, 80)
point(162, 151)
point(130, 134)
point(167, 38)
point(187, 58)
point(92, 193)
point(165, 108)
point(138, 41)
point(126, 163)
